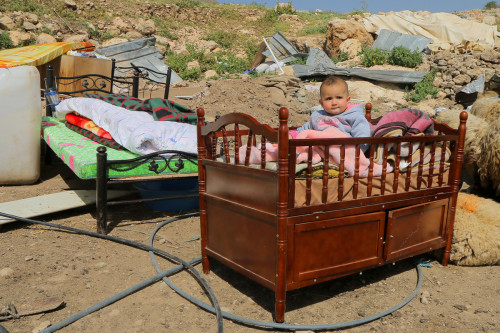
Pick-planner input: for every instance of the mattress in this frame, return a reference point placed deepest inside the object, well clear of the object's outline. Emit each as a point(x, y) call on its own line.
point(79, 154)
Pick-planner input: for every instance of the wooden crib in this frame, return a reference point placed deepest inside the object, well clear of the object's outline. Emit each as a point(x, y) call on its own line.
point(287, 230)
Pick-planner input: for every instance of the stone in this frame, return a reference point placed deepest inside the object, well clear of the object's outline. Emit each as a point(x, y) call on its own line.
point(193, 64)
point(351, 46)
point(339, 30)
point(491, 56)
point(6, 272)
point(44, 38)
point(461, 79)
point(211, 74)
point(19, 38)
point(133, 34)
point(31, 18)
point(113, 41)
point(28, 26)
point(76, 38)
point(6, 23)
point(277, 96)
point(70, 4)
point(121, 25)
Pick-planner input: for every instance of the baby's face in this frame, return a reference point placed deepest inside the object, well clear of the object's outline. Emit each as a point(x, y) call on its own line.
point(334, 99)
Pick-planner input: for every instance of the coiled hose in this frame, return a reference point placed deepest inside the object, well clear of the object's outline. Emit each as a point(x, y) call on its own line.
point(215, 307)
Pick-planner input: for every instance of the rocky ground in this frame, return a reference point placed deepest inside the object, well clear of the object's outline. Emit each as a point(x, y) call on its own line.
point(38, 262)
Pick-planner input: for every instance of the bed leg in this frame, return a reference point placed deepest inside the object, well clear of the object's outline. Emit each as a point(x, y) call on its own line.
point(101, 191)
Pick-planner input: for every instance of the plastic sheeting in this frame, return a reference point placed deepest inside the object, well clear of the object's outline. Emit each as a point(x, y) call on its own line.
point(444, 29)
point(319, 64)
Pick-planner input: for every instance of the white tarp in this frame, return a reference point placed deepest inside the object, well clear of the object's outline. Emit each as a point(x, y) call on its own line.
point(446, 30)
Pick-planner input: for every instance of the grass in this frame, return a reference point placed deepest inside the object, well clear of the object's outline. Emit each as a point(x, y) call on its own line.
point(5, 41)
point(423, 89)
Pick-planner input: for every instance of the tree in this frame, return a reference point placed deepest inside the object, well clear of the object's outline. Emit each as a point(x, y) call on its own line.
point(491, 5)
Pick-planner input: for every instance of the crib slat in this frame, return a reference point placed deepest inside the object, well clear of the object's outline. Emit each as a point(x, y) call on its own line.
point(214, 147)
point(441, 163)
point(396, 168)
point(291, 176)
point(409, 167)
point(356, 172)
point(431, 165)
point(262, 152)
point(237, 143)
point(370, 171)
point(420, 165)
point(324, 193)
point(249, 147)
point(225, 145)
point(309, 176)
point(341, 173)
point(384, 170)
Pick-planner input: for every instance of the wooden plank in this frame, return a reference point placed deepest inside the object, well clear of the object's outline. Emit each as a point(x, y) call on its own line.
point(74, 66)
point(52, 203)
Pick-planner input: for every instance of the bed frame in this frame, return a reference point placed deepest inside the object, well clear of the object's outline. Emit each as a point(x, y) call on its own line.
point(257, 222)
point(97, 83)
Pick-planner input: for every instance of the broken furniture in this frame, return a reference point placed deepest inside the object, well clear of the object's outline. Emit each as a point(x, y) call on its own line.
point(288, 231)
point(108, 166)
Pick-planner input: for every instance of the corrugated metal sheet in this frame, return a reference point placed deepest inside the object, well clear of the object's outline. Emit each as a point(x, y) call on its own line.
point(140, 52)
point(281, 47)
point(318, 63)
point(387, 40)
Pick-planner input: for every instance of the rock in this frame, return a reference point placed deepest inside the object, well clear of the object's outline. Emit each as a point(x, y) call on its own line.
point(70, 4)
point(121, 25)
point(28, 258)
point(339, 30)
point(132, 34)
point(43, 325)
point(461, 79)
point(193, 64)
point(146, 27)
point(424, 297)
point(304, 43)
point(277, 96)
point(75, 38)
point(491, 56)
point(460, 307)
point(31, 18)
point(113, 41)
point(28, 26)
point(19, 38)
point(210, 74)
point(351, 46)
point(44, 38)
point(6, 23)
point(6, 272)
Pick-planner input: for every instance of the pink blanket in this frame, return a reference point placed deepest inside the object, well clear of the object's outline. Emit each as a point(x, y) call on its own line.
point(334, 153)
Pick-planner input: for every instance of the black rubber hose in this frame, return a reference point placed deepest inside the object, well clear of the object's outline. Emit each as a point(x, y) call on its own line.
point(262, 324)
point(145, 247)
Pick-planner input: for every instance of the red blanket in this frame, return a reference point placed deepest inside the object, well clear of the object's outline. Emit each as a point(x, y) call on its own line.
point(87, 124)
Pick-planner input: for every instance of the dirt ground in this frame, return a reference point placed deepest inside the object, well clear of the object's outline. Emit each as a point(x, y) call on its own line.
point(38, 262)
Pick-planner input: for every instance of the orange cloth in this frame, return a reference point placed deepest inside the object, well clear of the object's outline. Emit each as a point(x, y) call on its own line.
point(87, 124)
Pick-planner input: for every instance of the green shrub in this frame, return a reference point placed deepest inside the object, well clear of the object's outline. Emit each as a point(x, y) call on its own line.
point(491, 5)
point(5, 41)
point(314, 29)
point(223, 38)
point(371, 57)
point(286, 9)
point(188, 3)
point(342, 56)
point(401, 56)
point(423, 88)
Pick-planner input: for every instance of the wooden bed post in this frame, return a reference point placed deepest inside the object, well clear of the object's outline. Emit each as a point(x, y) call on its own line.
point(454, 182)
point(202, 189)
point(282, 213)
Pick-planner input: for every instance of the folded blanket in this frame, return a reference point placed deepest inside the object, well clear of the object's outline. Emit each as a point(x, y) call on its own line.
point(318, 153)
point(163, 110)
point(135, 130)
point(95, 138)
point(87, 124)
point(403, 122)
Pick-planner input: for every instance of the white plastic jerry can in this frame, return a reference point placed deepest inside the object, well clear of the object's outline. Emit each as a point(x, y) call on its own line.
point(20, 125)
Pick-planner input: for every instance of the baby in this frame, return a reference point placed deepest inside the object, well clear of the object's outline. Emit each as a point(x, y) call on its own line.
point(337, 112)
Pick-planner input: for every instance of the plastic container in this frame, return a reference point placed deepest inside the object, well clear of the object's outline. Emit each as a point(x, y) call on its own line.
point(20, 125)
point(170, 188)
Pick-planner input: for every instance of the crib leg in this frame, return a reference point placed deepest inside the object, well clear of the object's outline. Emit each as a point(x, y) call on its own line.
point(279, 308)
